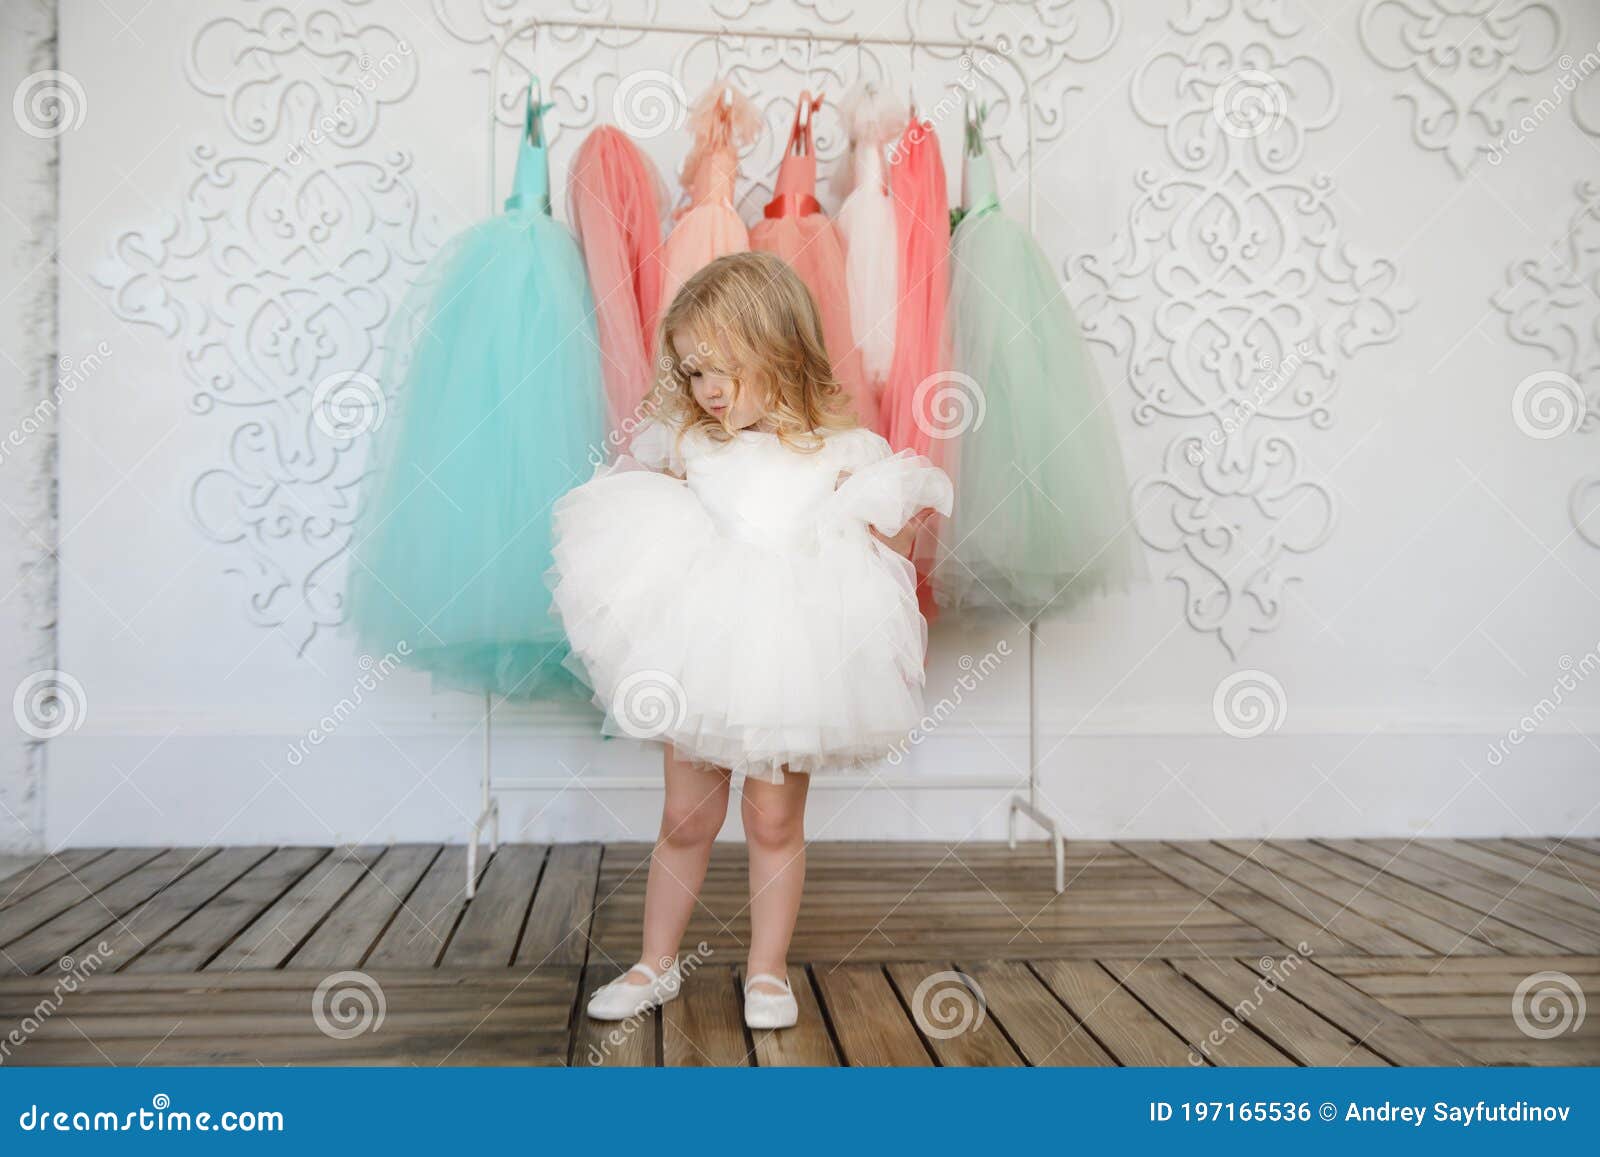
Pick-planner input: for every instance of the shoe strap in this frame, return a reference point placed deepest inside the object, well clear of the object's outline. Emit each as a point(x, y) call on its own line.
point(650, 974)
point(759, 977)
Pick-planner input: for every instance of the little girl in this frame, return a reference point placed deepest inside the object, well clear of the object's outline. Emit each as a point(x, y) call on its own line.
point(737, 589)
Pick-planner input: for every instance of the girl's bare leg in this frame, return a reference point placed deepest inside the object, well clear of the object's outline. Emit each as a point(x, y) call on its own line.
point(696, 804)
point(774, 829)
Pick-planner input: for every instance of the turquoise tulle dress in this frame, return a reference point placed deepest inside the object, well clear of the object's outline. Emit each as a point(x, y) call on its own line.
point(495, 411)
point(1042, 515)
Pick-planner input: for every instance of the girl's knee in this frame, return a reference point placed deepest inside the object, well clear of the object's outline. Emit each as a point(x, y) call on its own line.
point(693, 821)
point(773, 825)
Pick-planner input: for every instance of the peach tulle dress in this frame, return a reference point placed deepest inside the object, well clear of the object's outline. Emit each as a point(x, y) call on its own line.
point(708, 226)
point(919, 398)
point(616, 199)
point(794, 228)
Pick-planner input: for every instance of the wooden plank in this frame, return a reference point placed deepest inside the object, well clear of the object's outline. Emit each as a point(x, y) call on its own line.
point(806, 1044)
point(1572, 852)
point(1128, 1030)
point(1431, 966)
point(705, 1025)
point(558, 923)
point(1473, 925)
point(1211, 1031)
point(871, 1027)
point(417, 936)
point(1577, 902)
point(1490, 902)
point(147, 924)
point(1036, 1022)
point(1416, 927)
point(46, 870)
point(1290, 928)
point(951, 1011)
point(1350, 926)
point(487, 934)
point(200, 937)
point(343, 939)
point(84, 921)
point(1279, 1017)
point(1551, 861)
point(1559, 1051)
point(632, 1043)
point(35, 909)
point(274, 935)
point(1377, 1026)
point(431, 1019)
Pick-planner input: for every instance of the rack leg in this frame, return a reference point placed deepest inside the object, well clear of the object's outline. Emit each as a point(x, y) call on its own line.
point(489, 817)
point(1031, 807)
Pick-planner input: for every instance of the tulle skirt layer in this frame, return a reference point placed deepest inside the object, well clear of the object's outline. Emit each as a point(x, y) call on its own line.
point(1042, 518)
point(740, 654)
point(498, 412)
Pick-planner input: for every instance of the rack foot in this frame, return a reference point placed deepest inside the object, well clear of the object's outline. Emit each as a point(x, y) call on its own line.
point(1049, 823)
point(490, 819)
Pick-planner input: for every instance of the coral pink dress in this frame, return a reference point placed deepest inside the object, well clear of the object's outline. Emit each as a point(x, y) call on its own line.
point(794, 228)
point(724, 120)
point(918, 397)
point(615, 198)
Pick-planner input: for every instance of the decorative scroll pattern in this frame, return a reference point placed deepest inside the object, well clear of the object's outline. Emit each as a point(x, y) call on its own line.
point(1466, 58)
point(1552, 303)
point(276, 275)
point(1235, 297)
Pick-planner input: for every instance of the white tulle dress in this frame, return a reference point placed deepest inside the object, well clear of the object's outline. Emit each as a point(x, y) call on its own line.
point(738, 607)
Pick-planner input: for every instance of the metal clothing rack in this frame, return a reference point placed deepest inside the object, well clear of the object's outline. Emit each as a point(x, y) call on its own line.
point(1031, 805)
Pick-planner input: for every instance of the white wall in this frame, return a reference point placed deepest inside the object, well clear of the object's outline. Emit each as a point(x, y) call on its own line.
point(1382, 540)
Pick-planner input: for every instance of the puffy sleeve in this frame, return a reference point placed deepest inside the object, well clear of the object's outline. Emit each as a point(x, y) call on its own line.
point(656, 445)
point(884, 488)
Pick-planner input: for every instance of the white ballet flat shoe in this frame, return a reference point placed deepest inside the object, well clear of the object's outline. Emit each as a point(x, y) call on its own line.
point(770, 1009)
point(619, 1000)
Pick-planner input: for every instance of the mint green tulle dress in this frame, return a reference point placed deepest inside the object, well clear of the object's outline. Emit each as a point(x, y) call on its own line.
point(495, 410)
point(1042, 515)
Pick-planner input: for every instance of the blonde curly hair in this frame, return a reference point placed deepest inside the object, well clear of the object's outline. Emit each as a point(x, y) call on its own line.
point(750, 317)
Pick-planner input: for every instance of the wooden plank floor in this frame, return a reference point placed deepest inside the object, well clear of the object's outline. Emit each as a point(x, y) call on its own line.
point(1234, 952)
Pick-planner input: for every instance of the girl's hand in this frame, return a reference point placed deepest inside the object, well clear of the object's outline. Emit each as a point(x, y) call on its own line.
point(901, 543)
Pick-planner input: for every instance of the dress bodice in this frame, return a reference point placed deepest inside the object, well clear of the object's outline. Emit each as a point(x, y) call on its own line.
point(530, 187)
point(760, 491)
point(977, 173)
point(794, 190)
